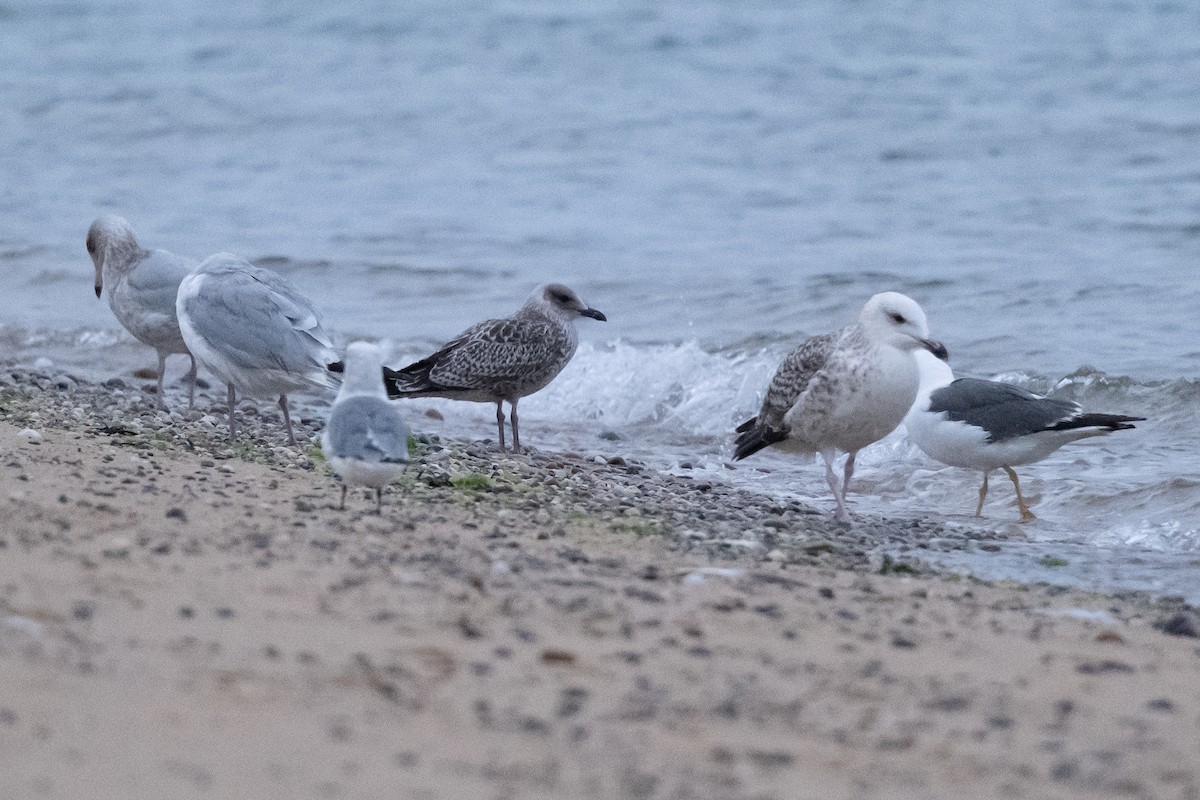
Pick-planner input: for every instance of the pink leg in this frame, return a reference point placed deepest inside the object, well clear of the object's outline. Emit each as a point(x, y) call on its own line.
point(232, 428)
point(516, 436)
point(841, 515)
point(287, 419)
point(500, 422)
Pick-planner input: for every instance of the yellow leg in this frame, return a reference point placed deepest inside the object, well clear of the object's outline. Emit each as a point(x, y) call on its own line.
point(982, 495)
point(1026, 514)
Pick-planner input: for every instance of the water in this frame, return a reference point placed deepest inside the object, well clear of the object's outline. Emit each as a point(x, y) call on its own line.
point(721, 178)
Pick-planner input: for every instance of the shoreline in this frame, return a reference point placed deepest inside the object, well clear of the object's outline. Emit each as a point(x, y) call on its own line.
point(185, 618)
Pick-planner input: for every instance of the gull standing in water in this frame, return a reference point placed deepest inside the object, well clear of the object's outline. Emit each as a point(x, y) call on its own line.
point(843, 390)
point(987, 425)
point(142, 285)
point(365, 440)
point(254, 330)
point(501, 359)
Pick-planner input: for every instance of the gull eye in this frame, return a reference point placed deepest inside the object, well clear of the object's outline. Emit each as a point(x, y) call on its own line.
point(91, 245)
point(897, 317)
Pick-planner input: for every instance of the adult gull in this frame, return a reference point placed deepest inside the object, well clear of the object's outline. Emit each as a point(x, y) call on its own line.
point(365, 440)
point(142, 285)
point(253, 329)
point(501, 359)
point(988, 425)
point(841, 391)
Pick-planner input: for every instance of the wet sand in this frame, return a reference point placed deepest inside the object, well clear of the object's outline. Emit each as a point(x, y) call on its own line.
point(179, 618)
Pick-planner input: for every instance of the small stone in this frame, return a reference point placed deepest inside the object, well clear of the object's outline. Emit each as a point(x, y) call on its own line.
point(1181, 623)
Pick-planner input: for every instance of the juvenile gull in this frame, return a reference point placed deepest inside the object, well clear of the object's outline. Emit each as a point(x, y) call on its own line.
point(365, 440)
point(254, 330)
point(141, 291)
point(987, 425)
point(501, 359)
point(843, 390)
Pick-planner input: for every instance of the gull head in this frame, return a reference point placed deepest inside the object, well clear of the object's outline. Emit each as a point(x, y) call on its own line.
point(895, 319)
point(561, 301)
point(363, 372)
point(110, 240)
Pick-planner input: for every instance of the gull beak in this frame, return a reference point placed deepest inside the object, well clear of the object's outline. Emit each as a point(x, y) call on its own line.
point(99, 288)
point(594, 314)
point(937, 348)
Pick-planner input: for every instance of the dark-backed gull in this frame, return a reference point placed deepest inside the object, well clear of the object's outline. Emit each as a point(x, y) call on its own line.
point(987, 425)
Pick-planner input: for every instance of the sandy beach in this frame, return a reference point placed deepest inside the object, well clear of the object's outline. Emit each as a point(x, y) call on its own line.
point(181, 618)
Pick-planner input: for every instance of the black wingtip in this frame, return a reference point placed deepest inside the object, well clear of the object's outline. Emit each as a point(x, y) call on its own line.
point(1113, 422)
point(389, 381)
point(337, 366)
point(755, 438)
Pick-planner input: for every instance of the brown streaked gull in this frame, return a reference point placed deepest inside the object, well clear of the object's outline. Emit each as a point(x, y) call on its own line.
point(841, 391)
point(501, 359)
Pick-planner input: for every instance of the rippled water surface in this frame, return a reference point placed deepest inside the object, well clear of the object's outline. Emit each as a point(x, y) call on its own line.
point(721, 178)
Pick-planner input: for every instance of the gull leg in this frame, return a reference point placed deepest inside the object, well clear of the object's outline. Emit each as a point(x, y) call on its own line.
point(232, 429)
point(513, 417)
point(841, 515)
point(192, 383)
point(162, 368)
point(379, 500)
point(287, 419)
point(982, 495)
point(849, 473)
point(1026, 514)
point(500, 422)
point(342, 507)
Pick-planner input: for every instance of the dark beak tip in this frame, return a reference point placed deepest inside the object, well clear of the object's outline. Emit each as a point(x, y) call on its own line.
point(99, 289)
point(938, 349)
point(596, 315)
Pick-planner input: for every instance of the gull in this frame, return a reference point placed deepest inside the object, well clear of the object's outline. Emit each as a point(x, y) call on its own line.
point(254, 330)
point(365, 440)
point(987, 425)
point(841, 391)
point(501, 359)
point(141, 291)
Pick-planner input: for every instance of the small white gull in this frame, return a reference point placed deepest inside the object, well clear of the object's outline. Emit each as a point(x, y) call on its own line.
point(987, 425)
point(365, 440)
point(841, 391)
point(253, 329)
point(501, 359)
point(142, 285)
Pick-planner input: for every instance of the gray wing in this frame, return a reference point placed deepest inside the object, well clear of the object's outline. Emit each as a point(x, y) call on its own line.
point(1003, 410)
point(498, 351)
point(260, 321)
point(368, 429)
point(156, 280)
